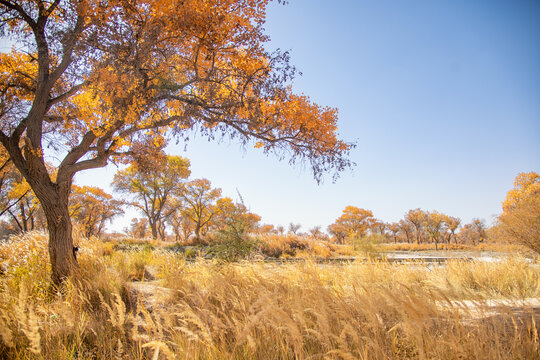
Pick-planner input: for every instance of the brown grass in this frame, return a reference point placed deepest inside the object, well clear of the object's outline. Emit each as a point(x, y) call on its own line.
point(261, 311)
point(497, 247)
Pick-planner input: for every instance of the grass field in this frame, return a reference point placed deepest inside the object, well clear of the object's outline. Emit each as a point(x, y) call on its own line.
point(152, 304)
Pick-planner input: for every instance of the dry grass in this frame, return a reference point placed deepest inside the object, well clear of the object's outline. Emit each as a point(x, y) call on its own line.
point(261, 311)
point(290, 245)
point(498, 247)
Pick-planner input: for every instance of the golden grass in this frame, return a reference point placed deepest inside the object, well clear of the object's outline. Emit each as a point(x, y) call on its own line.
point(498, 247)
point(245, 310)
point(290, 245)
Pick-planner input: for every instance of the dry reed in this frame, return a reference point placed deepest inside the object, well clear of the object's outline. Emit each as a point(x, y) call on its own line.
point(248, 310)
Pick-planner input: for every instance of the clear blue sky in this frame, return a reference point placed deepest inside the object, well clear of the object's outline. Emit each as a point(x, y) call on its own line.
point(442, 98)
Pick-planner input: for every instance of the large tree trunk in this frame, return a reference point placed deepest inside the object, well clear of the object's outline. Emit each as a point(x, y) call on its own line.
point(153, 227)
point(54, 201)
point(61, 250)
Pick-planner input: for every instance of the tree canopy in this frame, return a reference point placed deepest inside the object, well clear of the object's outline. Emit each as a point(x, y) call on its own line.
point(91, 81)
point(521, 211)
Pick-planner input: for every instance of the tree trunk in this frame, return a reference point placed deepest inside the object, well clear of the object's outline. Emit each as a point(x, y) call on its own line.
point(153, 226)
point(23, 216)
point(54, 201)
point(61, 250)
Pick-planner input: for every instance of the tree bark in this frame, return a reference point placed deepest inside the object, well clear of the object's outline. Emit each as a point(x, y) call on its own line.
point(54, 201)
point(153, 227)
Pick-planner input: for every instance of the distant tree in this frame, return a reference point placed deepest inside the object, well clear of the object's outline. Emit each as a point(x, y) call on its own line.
point(473, 233)
point(354, 222)
point(138, 228)
point(151, 181)
point(234, 217)
point(92, 208)
point(433, 225)
point(293, 228)
point(199, 207)
point(480, 227)
point(316, 232)
point(181, 226)
point(394, 229)
point(16, 197)
point(452, 224)
point(379, 226)
point(266, 229)
point(417, 218)
point(520, 219)
point(407, 229)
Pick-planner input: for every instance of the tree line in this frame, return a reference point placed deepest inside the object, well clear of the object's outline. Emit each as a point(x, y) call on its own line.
point(158, 185)
point(417, 226)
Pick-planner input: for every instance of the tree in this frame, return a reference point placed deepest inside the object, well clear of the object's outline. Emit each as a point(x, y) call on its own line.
point(96, 77)
point(394, 228)
point(473, 232)
point(24, 207)
point(407, 228)
point(153, 181)
point(293, 228)
point(91, 208)
point(16, 197)
point(234, 218)
point(379, 226)
point(452, 224)
point(316, 233)
point(417, 218)
point(200, 204)
point(138, 228)
point(520, 218)
point(353, 223)
point(433, 225)
point(8, 176)
point(181, 226)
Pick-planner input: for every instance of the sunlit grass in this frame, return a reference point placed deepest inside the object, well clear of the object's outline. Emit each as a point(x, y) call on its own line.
point(245, 310)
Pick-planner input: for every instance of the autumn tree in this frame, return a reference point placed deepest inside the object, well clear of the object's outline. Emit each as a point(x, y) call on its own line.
point(24, 207)
point(520, 218)
point(16, 197)
point(433, 225)
point(379, 226)
point(92, 208)
point(407, 229)
point(452, 224)
point(293, 228)
point(92, 78)
point(5, 164)
point(473, 232)
point(182, 227)
point(266, 229)
point(151, 183)
point(317, 233)
point(417, 218)
point(7, 180)
point(234, 217)
point(354, 222)
point(138, 227)
point(199, 207)
point(394, 229)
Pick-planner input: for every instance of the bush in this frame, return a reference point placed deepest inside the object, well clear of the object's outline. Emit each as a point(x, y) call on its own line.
point(233, 245)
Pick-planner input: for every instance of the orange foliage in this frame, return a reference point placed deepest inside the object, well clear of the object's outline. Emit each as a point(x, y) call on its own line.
point(354, 222)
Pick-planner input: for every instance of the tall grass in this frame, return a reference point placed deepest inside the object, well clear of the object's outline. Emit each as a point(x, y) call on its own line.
point(216, 310)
